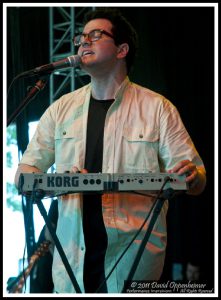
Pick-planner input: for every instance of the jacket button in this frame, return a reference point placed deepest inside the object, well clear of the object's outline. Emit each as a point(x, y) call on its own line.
point(64, 132)
point(140, 135)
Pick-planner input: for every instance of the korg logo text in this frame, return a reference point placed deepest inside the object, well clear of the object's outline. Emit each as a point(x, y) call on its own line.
point(62, 181)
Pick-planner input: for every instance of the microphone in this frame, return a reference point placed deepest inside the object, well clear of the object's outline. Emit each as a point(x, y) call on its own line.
point(70, 61)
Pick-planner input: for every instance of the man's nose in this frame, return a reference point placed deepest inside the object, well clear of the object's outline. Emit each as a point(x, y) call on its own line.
point(86, 41)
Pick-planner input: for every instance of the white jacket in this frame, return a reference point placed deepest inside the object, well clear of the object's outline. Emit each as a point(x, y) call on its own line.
point(143, 133)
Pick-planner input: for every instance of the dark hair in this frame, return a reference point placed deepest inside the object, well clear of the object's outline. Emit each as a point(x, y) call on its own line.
point(122, 30)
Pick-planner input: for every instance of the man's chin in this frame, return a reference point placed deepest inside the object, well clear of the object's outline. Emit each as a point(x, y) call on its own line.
point(87, 58)
point(87, 65)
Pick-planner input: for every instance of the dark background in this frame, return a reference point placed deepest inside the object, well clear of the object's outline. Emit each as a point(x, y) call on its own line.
point(176, 59)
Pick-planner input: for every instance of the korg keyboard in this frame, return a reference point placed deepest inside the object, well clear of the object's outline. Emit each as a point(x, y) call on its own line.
point(58, 183)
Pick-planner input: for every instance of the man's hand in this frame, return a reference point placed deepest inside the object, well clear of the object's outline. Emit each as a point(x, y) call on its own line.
point(195, 176)
point(74, 169)
point(23, 168)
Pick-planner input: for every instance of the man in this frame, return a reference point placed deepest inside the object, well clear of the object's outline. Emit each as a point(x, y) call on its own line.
point(192, 271)
point(110, 126)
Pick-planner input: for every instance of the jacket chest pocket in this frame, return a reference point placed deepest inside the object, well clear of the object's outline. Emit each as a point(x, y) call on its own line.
point(140, 147)
point(67, 141)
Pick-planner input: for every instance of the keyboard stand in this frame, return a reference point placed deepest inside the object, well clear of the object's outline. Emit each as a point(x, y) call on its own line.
point(166, 194)
point(38, 195)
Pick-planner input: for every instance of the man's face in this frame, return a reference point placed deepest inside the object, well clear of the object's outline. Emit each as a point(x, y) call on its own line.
point(192, 272)
point(100, 54)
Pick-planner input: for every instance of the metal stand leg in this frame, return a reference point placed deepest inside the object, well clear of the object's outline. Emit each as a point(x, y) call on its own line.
point(38, 195)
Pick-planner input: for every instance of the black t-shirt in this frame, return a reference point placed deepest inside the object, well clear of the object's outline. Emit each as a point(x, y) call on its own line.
point(93, 225)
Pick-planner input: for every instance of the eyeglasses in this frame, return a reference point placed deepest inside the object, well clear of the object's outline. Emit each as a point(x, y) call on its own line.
point(92, 36)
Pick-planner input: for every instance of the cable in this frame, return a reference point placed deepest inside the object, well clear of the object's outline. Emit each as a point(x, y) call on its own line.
point(12, 82)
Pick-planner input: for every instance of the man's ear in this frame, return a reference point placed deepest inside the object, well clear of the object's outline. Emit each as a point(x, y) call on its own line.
point(122, 50)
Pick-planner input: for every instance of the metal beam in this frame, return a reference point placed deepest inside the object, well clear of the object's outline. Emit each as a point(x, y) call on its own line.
point(64, 23)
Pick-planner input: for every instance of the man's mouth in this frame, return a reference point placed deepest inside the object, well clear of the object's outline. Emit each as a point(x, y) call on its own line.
point(86, 52)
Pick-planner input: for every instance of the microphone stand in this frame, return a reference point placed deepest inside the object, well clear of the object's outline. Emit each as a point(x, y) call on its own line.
point(166, 194)
point(39, 85)
point(32, 92)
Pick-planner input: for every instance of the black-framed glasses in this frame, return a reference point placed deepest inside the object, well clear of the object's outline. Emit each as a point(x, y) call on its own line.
point(92, 36)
